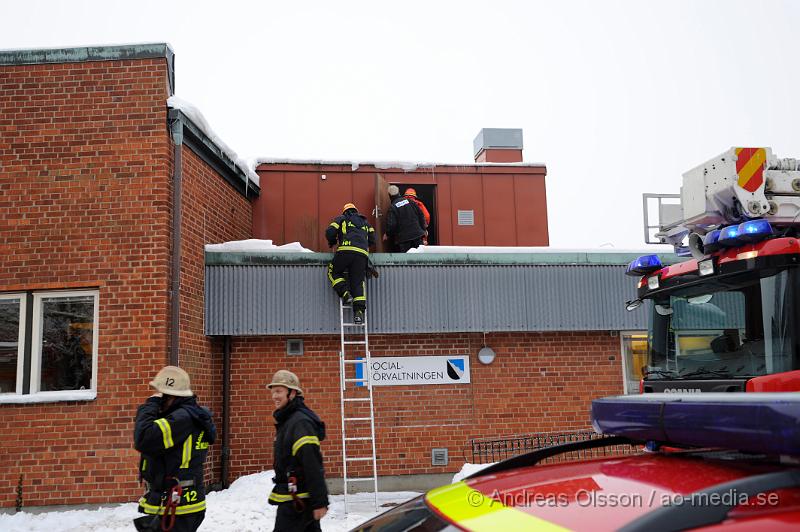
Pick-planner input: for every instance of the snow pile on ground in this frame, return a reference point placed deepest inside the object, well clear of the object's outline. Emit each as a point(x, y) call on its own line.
point(242, 507)
point(469, 469)
point(255, 244)
point(194, 114)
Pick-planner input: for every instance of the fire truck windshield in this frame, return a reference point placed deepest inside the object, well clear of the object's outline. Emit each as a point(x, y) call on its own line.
point(741, 326)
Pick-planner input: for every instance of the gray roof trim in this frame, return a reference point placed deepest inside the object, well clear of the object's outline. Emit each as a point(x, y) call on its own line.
point(296, 298)
point(216, 258)
point(35, 56)
point(214, 156)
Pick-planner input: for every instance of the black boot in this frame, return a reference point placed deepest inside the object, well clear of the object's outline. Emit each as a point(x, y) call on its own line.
point(347, 298)
point(358, 317)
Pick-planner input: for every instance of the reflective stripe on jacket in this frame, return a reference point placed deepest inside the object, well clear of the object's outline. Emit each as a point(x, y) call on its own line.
point(173, 447)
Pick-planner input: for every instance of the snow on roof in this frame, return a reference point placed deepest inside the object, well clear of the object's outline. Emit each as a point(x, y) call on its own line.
point(194, 114)
point(407, 166)
point(255, 244)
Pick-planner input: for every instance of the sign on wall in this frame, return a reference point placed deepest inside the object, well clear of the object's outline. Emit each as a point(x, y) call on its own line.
point(402, 371)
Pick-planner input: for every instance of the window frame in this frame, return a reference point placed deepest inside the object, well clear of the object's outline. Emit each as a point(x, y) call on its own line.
point(21, 296)
point(628, 386)
point(31, 349)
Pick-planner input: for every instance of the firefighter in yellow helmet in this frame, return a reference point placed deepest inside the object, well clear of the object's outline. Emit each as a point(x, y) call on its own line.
point(353, 236)
point(172, 433)
point(300, 492)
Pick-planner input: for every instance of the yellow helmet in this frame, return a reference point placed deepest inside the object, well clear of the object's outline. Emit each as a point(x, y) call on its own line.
point(347, 207)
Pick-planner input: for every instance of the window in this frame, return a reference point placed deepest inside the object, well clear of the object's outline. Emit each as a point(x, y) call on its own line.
point(634, 358)
point(48, 346)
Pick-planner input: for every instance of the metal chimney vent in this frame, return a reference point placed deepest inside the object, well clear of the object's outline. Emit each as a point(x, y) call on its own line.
point(439, 456)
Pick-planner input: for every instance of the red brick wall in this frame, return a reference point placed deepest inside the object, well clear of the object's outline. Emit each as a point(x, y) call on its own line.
point(539, 382)
point(213, 212)
point(84, 203)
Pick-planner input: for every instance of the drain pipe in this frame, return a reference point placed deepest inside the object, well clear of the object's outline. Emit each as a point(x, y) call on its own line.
point(175, 290)
point(226, 410)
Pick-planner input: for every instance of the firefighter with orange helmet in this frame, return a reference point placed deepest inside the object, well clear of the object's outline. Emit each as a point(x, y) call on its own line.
point(412, 195)
point(352, 235)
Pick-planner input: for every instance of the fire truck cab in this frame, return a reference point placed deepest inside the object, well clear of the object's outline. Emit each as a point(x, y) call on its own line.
point(727, 319)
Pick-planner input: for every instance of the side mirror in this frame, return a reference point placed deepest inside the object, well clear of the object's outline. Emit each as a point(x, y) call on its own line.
point(633, 305)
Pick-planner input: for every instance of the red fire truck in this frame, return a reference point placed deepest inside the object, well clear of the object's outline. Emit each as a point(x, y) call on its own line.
point(727, 319)
point(715, 461)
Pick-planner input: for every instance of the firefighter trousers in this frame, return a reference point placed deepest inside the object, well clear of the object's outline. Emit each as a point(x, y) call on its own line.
point(347, 273)
point(287, 519)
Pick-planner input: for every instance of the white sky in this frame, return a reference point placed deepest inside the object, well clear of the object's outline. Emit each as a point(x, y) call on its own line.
point(616, 97)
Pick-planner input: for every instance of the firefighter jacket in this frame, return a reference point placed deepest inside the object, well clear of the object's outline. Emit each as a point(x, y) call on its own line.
point(405, 220)
point(425, 214)
point(173, 447)
point(352, 232)
point(297, 453)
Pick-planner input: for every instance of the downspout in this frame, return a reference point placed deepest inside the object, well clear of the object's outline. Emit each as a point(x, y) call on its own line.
point(226, 410)
point(175, 290)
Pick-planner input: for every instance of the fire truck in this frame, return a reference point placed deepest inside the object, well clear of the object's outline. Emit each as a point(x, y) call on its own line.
point(727, 319)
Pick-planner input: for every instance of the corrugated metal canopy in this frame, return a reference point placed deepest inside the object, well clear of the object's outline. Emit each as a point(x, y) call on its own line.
point(273, 293)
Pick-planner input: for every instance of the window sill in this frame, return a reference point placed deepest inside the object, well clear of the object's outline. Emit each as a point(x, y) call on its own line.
point(49, 397)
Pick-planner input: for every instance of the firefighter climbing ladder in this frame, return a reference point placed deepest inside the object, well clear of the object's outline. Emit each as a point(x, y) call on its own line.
point(358, 418)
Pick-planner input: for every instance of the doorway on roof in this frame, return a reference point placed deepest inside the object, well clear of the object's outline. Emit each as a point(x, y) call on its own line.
point(427, 194)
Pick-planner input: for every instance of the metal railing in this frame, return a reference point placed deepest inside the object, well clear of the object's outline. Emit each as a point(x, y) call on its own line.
point(489, 450)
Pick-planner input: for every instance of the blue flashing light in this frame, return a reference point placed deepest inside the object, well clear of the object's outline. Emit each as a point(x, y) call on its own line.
point(729, 237)
point(643, 265)
point(711, 241)
point(754, 230)
point(766, 423)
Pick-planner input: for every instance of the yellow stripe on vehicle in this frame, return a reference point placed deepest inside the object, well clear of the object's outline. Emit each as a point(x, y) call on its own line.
point(166, 432)
point(180, 510)
point(472, 510)
point(313, 440)
point(187, 452)
point(756, 161)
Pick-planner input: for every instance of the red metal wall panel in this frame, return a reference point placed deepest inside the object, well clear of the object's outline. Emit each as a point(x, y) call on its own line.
point(499, 210)
point(530, 199)
point(301, 215)
point(466, 192)
point(508, 202)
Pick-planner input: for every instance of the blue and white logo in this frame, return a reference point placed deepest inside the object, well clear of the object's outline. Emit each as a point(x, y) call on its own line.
point(455, 368)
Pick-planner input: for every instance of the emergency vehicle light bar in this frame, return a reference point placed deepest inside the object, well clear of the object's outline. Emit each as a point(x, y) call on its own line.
point(766, 423)
point(643, 265)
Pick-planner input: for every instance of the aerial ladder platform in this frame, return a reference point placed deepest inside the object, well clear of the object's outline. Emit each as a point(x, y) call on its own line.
point(738, 185)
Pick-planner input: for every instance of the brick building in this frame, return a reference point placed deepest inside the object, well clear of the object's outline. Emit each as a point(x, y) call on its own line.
point(92, 166)
point(108, 193)
point(556, 322)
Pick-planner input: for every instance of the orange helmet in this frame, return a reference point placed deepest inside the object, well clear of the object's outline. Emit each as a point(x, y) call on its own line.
point(411, 192)
point(347, 207)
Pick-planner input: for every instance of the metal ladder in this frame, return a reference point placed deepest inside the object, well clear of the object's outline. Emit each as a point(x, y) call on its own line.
point(358, 418)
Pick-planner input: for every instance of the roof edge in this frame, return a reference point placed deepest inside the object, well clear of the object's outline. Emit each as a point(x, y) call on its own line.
point(277, 258)
point(81, 54)
point(214, 156)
